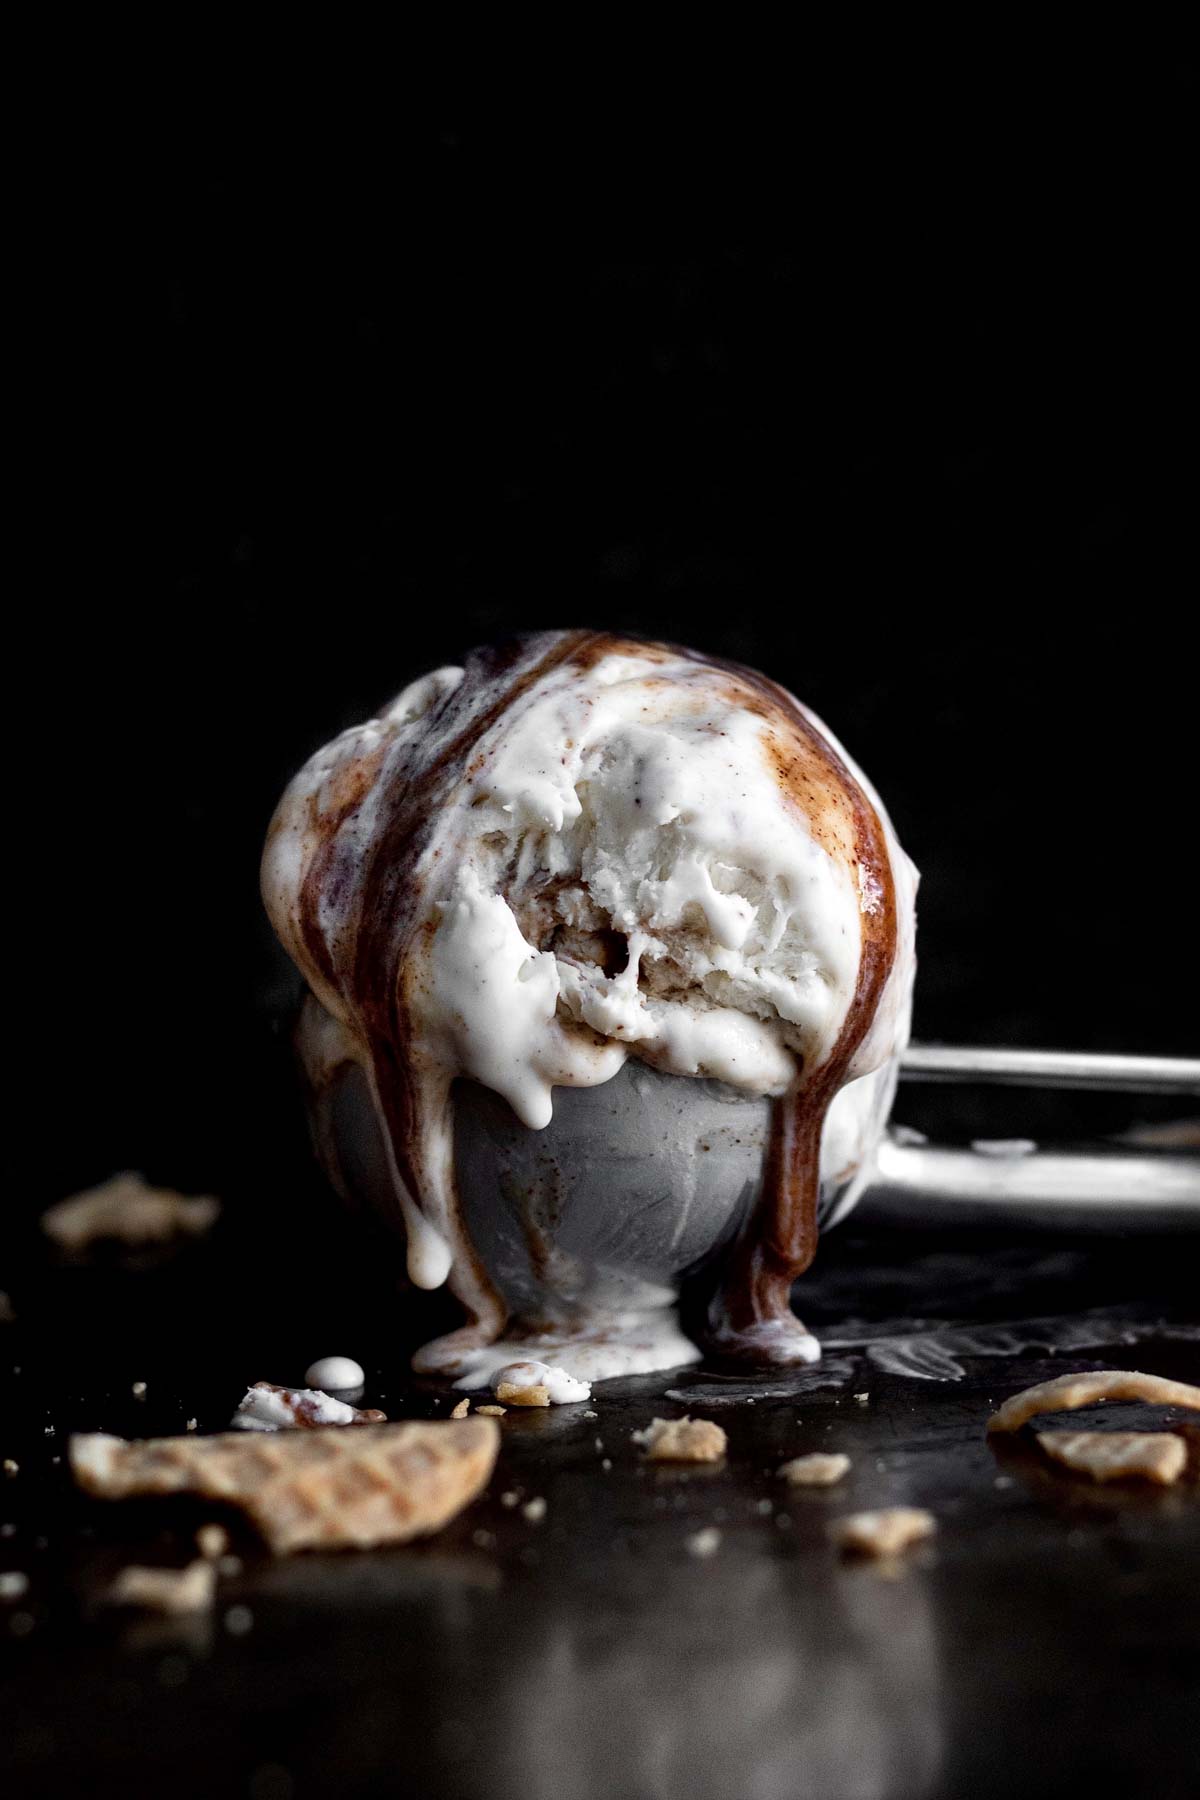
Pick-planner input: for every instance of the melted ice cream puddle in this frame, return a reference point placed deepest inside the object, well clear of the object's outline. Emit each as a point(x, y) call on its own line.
point(562, 1389)
point(628, 1344)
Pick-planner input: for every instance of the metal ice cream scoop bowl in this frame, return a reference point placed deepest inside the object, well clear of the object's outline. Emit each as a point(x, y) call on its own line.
point(592, 1224)
point(631, 1186)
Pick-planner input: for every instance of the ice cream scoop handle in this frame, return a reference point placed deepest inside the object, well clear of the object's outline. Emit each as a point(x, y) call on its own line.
point(1052, 1069)
point(1088, 1190)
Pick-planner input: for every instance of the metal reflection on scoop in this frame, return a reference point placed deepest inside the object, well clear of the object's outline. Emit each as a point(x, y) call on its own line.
point(629, 1188)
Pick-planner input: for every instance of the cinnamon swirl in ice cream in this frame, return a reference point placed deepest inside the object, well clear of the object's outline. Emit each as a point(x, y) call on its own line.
point(575, 851)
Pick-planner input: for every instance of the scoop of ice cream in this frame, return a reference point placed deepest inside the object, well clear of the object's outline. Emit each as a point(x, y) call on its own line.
point(573, 851)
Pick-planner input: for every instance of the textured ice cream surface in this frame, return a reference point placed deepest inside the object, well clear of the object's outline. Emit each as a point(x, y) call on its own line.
point(574, 852)
point(630, 877)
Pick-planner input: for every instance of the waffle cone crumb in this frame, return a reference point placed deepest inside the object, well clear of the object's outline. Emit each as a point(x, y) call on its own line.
point(212, 1541)
point(129, 1210)
point(704, 1543)
point(1118, 1455)
point(883, 1533)
point(682, 1440)
point(817, 1470)
point(523, 1396)
point(165, 1590)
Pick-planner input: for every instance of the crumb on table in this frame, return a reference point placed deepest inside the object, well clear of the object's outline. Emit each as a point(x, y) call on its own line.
point(704, 1543)
point(817, 1470)
point(1118, 1455)
point(212, 1541)
point(883, 1533)
point(522, 1396)
point(190, 1589)
point(682, 1440)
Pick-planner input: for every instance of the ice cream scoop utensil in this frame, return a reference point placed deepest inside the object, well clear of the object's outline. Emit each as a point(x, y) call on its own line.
point(1051, 1069)
point(1020, 1185)
point(1103, 1189)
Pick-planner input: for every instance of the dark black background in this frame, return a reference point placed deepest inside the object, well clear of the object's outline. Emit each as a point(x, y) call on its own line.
point(893, 403)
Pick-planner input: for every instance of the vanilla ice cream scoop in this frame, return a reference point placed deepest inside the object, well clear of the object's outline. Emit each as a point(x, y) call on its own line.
point(582, 850)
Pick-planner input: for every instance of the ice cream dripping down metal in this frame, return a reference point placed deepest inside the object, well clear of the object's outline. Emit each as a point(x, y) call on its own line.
point(609, 956)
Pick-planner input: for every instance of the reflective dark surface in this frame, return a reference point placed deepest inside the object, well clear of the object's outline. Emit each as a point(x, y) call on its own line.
point(1049, 1635)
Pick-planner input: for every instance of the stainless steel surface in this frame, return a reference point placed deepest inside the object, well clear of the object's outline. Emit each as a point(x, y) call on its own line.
point(1052, 1069)
point(1046, 1189)
point(628, 1186)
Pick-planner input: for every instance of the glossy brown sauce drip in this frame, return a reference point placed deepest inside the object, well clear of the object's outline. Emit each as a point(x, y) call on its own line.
point(751, 1317)
point(377, 906)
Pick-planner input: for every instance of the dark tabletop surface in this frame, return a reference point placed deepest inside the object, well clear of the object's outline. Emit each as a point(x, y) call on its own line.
point(1048, 1636)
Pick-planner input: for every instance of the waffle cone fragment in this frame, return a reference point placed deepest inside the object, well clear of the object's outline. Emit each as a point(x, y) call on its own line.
point(128, 1209)
point(681, 1440)
point(1118, 1455)
point(815, 1470)
point(514, 1395)
point(165, 1590)
point(883, 1533)
point(1066, 1392)
point(325, 1489)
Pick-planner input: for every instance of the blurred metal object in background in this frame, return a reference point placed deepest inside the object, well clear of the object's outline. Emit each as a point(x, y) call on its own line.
point(1052, 1069)
point(1108, 1189)
point(1147, 1180)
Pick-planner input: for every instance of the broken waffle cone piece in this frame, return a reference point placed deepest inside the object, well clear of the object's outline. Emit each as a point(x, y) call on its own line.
point(882, 1533)
point(682, 1440)
point(165, 1590)
point(512, 1395)
point(1067, 1392)
point(1118, 1455)
point(816, 1470)
point(129, 1210)
point(383, 1484)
